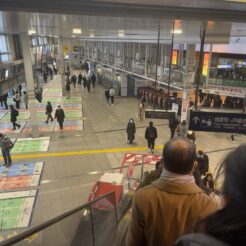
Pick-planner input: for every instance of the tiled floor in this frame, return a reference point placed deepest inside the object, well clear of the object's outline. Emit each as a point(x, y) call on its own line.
point(66, 181)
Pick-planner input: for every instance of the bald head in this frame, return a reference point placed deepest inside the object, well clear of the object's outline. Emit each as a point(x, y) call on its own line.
point(179, 155)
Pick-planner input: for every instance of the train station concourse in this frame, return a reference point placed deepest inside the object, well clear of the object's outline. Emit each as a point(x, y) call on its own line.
point(91, 92)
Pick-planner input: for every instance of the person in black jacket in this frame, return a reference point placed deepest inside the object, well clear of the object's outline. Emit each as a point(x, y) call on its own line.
point(151, 135)
point(173, 123)
point(13, 117)
point(202, 162)
point(5, 101)
point(131, 130)
point(60, 116)
point(79, 79)
point(107, 96)
point(48, 112)
point(74, 80)
point(93, 80)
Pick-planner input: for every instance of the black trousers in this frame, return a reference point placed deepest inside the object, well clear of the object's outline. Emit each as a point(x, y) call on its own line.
point(172, 132)
point(6, 157)
point(15, 124)
point(112, 99)
point(151, 143)
point(49, 116)
point(60, 124)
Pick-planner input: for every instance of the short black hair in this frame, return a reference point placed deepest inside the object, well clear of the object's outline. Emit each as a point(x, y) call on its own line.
point(179, 155)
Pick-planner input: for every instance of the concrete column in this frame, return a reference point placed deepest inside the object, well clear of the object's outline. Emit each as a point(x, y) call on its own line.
point(209, 62)
point(70, 55)
point(29, 82)
point(62, 70)
point(146, 58)
point(123, 55)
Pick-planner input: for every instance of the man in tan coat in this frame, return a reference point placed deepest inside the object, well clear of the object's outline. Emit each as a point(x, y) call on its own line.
point(171, 205)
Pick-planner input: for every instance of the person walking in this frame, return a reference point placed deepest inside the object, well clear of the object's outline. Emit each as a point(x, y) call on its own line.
point(88, 84)
point(19, 89)
point(79, 78)
point(13, 117)
point(93, 80)
point(6, 145)
point(131, 130)
point(141, 110)
point(182, 129)
point(107, 96)
point(151, 135)
point(112, 94)
point(5, 101)
point(17, 100)
point(84, 81)
point(173, 123)
point(74, 80)
point(170, 206)
point(60, 116)
point(202, 162)
point(25, 99)
point(49, 112)
point(68, 88)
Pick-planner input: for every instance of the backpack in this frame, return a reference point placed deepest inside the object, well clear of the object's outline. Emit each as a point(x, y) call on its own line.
point(8, 144)
point(16, 112)
point(151, 132)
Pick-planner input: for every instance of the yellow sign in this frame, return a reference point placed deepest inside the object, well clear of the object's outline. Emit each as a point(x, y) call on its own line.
point(65, 49)
point(175, 57)
point(205, 64)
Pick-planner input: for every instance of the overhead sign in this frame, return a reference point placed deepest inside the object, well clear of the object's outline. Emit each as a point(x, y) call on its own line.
point(217, 122)
point(225, 90)
point(159, 114)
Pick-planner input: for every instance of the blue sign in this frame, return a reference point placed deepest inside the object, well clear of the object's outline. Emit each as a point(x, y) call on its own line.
point(217, 122)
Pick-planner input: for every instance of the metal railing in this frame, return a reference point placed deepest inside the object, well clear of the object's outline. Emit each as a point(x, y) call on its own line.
point(90, 224)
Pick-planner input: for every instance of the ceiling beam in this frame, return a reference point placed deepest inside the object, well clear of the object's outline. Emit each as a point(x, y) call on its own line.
point(100, 8)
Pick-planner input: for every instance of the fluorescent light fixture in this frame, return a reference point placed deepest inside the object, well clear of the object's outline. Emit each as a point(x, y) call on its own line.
point(92, 35)
point(177, 31)
point(73, 36)
point(121, 33)
point(237, 1)
point(6, 73)
point(31, 32)
point(77, 31)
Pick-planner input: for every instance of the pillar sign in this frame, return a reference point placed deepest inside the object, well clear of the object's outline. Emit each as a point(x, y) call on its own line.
point(175, 57)
point(205, 64)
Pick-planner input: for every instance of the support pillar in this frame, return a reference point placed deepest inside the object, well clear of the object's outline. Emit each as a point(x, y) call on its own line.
point(70, 55)
point(146, 58)
point(62, 70)
point(29, 82)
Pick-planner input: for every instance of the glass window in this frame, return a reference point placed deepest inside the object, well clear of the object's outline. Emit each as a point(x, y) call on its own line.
point(4, 56)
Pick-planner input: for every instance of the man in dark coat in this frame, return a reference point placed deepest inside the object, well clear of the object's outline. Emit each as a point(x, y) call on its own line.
point(93, 80)
point(6, 145)
point(5, 101)
point(202, 162)
point(49, 112)
point(131, 130)
point(84, 81)
point(107, 96)
point(151, 135)
point(173, 123)
point(60, 116)
point(13, 117)
point(79, 79)
point(74, 80)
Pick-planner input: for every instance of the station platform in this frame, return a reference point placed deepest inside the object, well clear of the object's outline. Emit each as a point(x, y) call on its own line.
point(62, 169)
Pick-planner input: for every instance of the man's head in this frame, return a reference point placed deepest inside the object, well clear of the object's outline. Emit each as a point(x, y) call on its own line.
point(59, 107)
point(151, 123)
point(179, 155)
point(199, 153)
point(11, 107)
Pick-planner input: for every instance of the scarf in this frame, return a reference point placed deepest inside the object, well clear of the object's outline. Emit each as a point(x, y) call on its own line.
point(170, 177)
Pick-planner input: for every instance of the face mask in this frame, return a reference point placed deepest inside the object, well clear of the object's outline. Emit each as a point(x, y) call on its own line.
point(131, 121)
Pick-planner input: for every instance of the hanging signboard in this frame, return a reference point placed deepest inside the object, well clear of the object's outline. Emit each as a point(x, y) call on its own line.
point(217, 122)
point(225, 90)
point(159, 114)
point(185, 105)
point(175, 57)
point(205, 64)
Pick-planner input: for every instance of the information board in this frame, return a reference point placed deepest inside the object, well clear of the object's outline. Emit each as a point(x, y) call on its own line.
point(217, 122)
point(159, 114)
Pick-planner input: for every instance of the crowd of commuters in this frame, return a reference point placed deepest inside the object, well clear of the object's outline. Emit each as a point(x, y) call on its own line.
point(170, 204)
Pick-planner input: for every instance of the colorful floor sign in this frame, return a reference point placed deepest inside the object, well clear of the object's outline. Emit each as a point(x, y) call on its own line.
point(21, 175)
point(16, 209)
point(25, 145)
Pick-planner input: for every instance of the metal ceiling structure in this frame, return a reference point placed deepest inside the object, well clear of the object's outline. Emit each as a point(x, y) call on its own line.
point(181, 9)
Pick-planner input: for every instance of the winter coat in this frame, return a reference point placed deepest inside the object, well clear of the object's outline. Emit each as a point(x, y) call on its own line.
point(151, 133)
point(13, 115)
point(131, 129)
point(173, 123)
point(59, 115)
point(48, 109)
point(111, 92)
point(182, 130)
point(107, 93)
point(198, 239)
